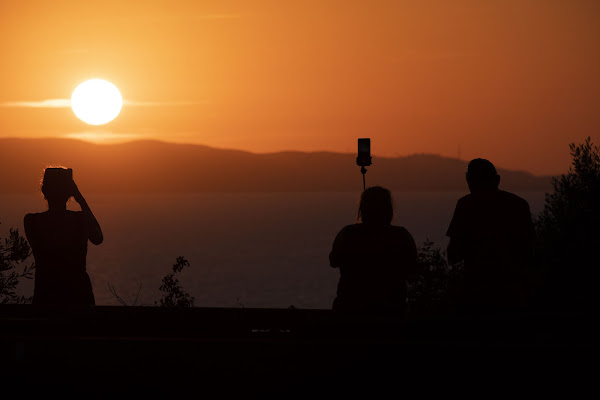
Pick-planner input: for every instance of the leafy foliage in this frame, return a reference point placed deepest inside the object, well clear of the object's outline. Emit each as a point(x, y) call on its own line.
point(174, 295)
point(433, 290)
point(568, 231)
point(14, 252)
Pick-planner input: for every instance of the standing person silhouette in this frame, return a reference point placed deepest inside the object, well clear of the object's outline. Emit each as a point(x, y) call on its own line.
point(375, 259)
point(493, 233)
point(58, 239)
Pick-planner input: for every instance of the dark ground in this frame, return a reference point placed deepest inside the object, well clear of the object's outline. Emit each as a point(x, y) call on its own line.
point(151, 352)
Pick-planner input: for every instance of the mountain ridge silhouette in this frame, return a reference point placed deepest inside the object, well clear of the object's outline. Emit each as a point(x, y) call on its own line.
point(152, 166)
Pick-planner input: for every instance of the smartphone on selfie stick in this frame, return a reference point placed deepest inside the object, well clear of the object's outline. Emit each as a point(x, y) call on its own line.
point(364, 157)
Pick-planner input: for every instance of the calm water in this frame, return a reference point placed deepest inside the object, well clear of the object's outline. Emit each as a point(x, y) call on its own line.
point(254, 249)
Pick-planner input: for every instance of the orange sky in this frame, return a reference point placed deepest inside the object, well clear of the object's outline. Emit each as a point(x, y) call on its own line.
point(512, 81)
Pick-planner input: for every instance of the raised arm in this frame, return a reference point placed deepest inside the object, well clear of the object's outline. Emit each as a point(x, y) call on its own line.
point(93, 227)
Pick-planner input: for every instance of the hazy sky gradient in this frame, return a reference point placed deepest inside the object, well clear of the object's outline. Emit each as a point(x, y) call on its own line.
point(512, 81)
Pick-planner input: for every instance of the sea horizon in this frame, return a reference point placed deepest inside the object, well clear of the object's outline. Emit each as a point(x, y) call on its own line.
point(263, 250)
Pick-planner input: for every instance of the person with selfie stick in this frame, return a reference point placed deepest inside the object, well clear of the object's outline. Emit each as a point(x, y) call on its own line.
point(374, 257)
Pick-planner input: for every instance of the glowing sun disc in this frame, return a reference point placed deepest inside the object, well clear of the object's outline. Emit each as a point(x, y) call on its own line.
point(96, 101)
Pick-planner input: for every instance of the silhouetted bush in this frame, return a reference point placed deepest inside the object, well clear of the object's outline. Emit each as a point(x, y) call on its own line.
point(174, 295)
point(568, 232)
point(14, 253)
point(432, 292)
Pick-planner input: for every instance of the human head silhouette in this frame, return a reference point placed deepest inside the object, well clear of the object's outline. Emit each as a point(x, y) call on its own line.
point(482, 176)
point(57, 184)
point(376, 206)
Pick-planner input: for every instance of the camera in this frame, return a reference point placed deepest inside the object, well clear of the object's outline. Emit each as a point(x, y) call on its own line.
point(58, 179)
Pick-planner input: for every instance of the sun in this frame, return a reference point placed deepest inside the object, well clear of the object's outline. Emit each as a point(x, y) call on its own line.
point(96, 101)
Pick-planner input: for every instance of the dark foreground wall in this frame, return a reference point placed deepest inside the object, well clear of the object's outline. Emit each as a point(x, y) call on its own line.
point(142, 352)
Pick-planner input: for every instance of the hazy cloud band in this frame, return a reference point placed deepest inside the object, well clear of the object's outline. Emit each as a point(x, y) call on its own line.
point(49, 103)
point(66, 103)
point(134, 103)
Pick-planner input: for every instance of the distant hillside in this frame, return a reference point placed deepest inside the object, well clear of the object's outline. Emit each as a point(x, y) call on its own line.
point(151, 166)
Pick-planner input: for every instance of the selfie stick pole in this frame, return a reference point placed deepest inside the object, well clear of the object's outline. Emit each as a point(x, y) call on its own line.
point(363, 160)
point(363, 171)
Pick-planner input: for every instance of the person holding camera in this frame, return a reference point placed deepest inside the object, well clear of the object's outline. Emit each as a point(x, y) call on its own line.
point(375, 259)
point(58, 239)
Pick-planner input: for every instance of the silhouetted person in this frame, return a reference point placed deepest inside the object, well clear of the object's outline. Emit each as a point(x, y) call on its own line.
point(375, 259)
point(58, 239)
point(492, 232)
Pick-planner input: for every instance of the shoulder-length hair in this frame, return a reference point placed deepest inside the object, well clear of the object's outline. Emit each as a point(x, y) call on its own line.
point(376, 206)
